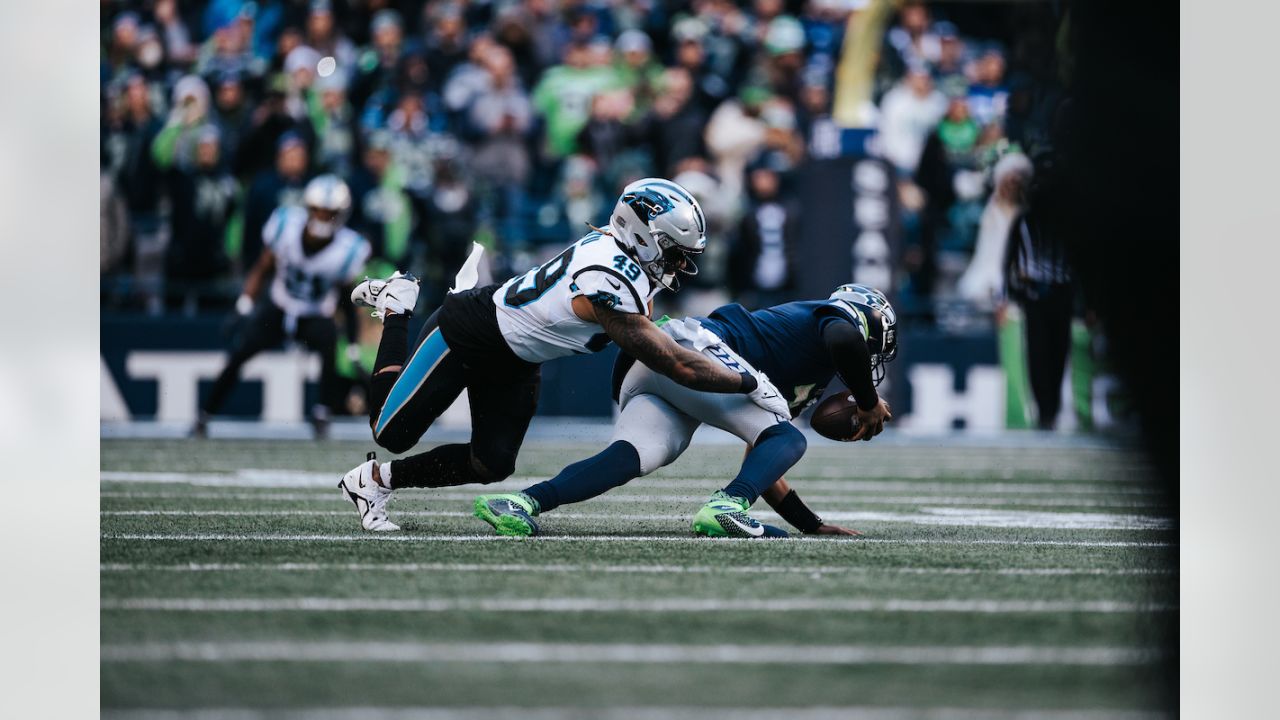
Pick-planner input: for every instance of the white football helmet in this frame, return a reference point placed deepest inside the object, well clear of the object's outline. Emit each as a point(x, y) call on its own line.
point(328, 201)
point(662, 226)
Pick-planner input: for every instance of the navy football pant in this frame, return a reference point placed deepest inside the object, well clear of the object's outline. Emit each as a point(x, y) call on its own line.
point(404, 404)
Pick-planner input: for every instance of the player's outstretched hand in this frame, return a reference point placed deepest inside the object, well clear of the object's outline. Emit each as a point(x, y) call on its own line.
point(871, 422)
point(825, 529)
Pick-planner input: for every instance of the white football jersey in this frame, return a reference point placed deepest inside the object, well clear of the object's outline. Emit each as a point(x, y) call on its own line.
point(535, 312)
point(308, 284)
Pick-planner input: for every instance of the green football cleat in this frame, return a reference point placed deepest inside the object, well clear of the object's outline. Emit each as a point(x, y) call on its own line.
point(726, 516)
point(508, 514)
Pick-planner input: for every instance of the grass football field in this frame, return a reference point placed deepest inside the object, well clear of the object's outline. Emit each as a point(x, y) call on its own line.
point(991, 583)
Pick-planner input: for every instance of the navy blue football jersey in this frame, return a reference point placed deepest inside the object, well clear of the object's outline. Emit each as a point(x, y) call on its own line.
point(785, 342)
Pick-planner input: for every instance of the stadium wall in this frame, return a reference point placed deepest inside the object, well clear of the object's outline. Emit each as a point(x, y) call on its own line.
point(158, 368)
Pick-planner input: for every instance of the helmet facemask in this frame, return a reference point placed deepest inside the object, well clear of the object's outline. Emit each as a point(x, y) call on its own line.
point(675, 260)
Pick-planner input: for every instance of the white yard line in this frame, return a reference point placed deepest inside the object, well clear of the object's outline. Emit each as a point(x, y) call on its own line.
point(950, 517)
point(654, 605)
point(626, 569)
point(295, 479)
point(621, 653)
point(389, 537)
point(626, 497)
point(621, 713)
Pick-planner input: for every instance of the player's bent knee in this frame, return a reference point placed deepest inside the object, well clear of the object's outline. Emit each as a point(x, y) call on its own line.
point(787, 438)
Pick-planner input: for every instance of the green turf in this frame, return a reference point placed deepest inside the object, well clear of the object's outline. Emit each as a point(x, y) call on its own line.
point(222, 502)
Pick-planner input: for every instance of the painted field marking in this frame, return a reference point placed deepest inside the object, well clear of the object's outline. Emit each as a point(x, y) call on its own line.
point(623, 653)
point(654, 605)
point(526, 712)
point(294, 479)
point(387, 537)
point(629, 498)
point(627, 569)
point(952, 517)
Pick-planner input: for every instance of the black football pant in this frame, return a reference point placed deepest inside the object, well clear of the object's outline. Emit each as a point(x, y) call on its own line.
point(264, 330)
point(1048, 332)
point(503, 397)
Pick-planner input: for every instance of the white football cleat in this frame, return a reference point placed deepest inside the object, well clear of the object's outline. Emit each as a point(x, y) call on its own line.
point(368, 496)
point(398, 293)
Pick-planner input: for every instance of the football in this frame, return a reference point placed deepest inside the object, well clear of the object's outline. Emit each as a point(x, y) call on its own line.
point(836, 417)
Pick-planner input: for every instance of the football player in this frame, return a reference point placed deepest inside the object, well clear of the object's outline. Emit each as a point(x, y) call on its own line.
point(307, 254)
point(492, 341)
point(801, 345)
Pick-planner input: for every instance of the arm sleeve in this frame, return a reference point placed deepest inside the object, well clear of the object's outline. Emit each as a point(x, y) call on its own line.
point(852, 360)
point(606, 286)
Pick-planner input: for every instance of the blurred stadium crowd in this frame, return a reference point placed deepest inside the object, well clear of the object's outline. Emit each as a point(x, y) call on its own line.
point(514, 122)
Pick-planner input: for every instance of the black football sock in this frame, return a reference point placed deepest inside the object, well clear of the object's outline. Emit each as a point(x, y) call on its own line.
point(585, 479)
point(776, 450)
point(393, 349)
point(444, 466)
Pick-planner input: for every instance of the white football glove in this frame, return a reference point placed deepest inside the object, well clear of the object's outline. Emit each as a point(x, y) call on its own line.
point(767, 396)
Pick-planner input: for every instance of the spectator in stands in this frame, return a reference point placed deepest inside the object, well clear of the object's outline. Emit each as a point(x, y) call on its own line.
point(450, 216)
point(468, 81)
point(710, 87)
point(913, 37)
point(178, 48)
point(761, 268)
point(381, 211)
point(327, 39)
point(908, 114)
point(949, 71)
point(563, 98)
point(300, 75)
point(988, 95)
point(376, 68)
point(132, 129)
point(784, 45)
point(268, 123)
point(335, 127)
point(819, 130)
point(204, 199)
point(279, 186)
point(226, 52)
point(501, 118)
point(230, 113)
point(446, 42)
point(673, 128)
point(959, 133)
point(983, 281)
point(176, 143)
point(637, 70)
point(606, 136)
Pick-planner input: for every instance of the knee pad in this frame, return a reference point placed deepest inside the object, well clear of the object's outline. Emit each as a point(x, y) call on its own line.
point(787, 438)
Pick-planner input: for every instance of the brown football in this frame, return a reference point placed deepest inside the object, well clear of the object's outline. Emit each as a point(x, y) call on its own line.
point(836, 417)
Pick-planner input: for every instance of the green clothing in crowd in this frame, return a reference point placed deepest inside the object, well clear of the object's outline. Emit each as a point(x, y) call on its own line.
point(564, 99)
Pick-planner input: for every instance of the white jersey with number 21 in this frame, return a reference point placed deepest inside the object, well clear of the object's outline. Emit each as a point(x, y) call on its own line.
point(535, 310)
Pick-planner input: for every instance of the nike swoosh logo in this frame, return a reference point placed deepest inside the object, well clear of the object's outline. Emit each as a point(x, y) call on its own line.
point(615, 285)
point(752, 531)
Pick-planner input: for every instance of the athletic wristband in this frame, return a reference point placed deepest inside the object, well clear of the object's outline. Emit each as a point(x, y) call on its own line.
point(793, 510)
point(244, 305)
point(749, 384)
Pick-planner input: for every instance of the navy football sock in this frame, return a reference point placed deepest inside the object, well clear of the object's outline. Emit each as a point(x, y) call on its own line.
point(583, 480)
point(776, 450)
